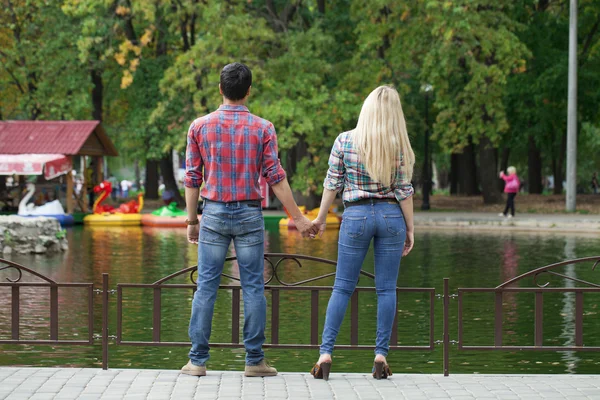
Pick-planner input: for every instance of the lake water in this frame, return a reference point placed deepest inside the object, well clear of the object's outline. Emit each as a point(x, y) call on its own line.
point(469, 259)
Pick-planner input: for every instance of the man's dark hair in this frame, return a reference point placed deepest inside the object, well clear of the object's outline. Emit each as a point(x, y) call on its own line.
point(236, 79)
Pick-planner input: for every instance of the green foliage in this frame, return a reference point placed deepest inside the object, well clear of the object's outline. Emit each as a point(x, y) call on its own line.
point(474, 50)
point(498, 68)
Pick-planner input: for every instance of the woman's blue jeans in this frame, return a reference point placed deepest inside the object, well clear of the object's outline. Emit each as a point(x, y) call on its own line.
point(384, 223)
point(221, 223)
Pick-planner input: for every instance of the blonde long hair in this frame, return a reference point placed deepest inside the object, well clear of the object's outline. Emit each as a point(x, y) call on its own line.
point(381, 138)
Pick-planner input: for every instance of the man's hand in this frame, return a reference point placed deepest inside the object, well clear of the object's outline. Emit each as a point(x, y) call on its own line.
point(320, 225)
point(305, 227)
point(408, 243)
point(193, 231)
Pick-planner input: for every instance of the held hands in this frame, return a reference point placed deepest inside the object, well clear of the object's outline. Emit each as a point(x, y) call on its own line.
point(320, 225)
point(305, 227)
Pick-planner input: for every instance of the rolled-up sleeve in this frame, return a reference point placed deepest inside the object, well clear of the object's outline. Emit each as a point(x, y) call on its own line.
point(193, 161)
point(272, 170)
point(403, 189)
point(335, 174)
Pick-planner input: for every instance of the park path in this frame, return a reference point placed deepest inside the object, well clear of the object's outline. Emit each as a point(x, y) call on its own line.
point(559, 223)
point(87, 383)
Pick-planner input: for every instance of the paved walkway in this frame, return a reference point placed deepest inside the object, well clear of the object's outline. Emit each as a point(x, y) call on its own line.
point(77, 383)
point(522, 222)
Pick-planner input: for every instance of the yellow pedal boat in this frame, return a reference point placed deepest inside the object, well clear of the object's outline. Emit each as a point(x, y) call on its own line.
point(117, 219)
point(332, 220)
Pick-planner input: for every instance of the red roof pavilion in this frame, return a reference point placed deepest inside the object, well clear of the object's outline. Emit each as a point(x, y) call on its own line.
point(68, 138)
point(84, 138)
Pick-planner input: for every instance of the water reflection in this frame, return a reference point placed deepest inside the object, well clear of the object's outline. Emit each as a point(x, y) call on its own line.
point(568, 311)
point(146, 254)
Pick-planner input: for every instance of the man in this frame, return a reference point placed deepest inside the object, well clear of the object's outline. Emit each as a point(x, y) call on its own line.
point(227, 150)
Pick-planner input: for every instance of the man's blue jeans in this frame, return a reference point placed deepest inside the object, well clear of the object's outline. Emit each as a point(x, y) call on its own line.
point(243, 223)
point(384, 223)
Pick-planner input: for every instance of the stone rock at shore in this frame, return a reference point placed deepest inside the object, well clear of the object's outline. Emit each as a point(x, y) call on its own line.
point(38, 235)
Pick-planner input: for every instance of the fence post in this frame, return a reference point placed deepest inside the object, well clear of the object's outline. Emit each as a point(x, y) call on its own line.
point(105, 321)
point(446, 340)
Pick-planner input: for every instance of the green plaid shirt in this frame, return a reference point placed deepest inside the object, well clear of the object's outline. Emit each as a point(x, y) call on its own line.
point(347, 172)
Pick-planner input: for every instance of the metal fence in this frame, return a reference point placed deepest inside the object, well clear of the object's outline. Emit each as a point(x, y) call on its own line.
point(275, 285)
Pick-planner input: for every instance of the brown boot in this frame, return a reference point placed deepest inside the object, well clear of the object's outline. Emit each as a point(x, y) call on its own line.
point(195, 370)
point(262, 369)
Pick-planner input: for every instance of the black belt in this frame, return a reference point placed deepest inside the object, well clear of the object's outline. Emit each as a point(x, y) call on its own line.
point(249, 203)
point(373, 200)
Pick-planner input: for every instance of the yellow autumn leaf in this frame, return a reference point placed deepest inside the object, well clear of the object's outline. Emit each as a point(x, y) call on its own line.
point(147, 36)
point(120, 58)
point(125, 46)
point(133, 64)
point(137, 50)
point(405, 15)
point(126, 80)
point(121, 10)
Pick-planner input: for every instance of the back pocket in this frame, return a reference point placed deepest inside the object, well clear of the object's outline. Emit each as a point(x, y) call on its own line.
point(395, 224)
point(354, 226)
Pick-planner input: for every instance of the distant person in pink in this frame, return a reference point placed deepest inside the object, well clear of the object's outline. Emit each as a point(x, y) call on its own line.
point(511, 188)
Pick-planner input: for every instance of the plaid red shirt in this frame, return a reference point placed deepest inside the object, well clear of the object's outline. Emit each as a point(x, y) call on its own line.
point(232, 146)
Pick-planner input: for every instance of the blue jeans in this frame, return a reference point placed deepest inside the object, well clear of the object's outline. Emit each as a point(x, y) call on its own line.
point(384, 223)
point(222, 222)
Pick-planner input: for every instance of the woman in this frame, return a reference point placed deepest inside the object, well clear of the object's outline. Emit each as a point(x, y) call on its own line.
point(373, 165)
point(511, 188)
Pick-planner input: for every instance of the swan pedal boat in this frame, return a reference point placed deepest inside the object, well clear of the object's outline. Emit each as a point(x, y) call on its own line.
point(52, 209)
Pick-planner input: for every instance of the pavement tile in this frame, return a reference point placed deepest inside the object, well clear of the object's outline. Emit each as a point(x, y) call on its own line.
point(84, 384)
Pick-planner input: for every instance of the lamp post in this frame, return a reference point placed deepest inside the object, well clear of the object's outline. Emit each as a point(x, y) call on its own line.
point(426, 163)
point(572, 111)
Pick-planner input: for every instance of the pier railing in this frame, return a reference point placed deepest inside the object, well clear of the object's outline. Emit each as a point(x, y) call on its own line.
point(15, 277)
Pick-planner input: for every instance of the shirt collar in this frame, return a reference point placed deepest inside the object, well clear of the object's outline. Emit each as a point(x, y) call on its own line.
point(235, 108)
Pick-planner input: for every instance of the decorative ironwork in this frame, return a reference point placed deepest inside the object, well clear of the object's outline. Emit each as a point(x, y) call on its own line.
point(548, 270)
point(16, 269)
point(274, 269)
point(538, 319)
point(275, 262)
point(20, 268)
point(15, 286)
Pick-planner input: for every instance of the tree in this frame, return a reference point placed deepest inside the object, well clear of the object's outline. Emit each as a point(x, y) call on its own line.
point(474, 50)
point(39, 74)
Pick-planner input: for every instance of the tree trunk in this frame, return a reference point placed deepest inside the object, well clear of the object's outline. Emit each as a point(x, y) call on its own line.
point(321, 6)
point(489, 172)
point(558, 164)
point(503, 166)
point(138, 177)
point(467, 172)
point(2, 184)
point(97, 93)
point(534, 166)
point(151, 184)
point(168, 175)
point(454, 169)
point(292, 158)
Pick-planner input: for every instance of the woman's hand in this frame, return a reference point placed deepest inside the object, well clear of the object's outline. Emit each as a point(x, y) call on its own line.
point(408, 243)
point(320, 224)
point(193, 231)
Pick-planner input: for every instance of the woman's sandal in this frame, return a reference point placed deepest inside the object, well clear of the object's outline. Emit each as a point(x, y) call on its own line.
point(381, 370)
point(321, 371)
